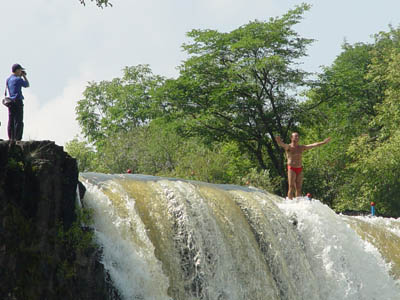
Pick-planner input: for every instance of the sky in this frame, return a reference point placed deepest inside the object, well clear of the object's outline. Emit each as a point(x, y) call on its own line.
point(64, 45)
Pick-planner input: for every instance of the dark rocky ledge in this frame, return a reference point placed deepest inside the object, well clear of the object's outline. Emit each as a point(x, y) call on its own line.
point(45, 252)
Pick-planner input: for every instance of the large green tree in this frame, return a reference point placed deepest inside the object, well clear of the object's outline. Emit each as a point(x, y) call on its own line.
point(119, 105)
point(243, 85)
point(344, 102)
point(129, 130)
point(83, 153)
point(376, 155)
point(361, 112)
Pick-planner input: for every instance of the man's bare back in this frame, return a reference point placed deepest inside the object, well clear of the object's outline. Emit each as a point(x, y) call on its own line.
point(294, 153)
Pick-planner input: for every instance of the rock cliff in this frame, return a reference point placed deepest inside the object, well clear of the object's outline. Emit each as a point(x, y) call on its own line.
point(46, 251)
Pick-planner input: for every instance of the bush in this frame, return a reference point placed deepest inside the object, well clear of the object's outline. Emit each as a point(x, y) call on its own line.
point(262, 180)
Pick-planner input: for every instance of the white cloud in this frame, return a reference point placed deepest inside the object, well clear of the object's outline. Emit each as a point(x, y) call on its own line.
point(54, 120)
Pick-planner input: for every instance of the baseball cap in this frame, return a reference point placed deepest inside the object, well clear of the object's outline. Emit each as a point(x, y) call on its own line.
point(16, 67)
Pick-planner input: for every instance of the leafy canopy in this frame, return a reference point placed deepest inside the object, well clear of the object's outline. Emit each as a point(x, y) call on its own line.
point(119, 105)
point(244, 85)
point(361, 112)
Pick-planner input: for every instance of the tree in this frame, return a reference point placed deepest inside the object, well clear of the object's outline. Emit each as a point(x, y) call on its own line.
point(158, 149)
point(151, 149)
point(243, 86)
point(361, 112)
point(345, 98)
point(118, 105)
point(99, 3)
point(375, 155)
point(344, 104)
point(83, 153)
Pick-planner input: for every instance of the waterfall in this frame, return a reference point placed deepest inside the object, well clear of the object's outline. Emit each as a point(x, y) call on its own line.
point(170, 239)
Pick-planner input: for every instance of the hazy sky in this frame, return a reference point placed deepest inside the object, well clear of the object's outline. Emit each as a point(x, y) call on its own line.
point(63, 45)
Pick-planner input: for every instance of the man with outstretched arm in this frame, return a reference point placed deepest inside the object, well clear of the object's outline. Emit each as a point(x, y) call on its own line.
point(294, 153)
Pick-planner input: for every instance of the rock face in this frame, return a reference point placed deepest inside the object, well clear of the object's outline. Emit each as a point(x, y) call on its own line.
point(45, 251)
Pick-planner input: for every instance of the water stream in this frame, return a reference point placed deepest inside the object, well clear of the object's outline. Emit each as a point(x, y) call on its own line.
point(166, 238)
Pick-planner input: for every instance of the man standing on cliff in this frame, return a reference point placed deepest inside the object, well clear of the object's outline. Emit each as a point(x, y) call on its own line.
point(14, 84)
point(294, 153)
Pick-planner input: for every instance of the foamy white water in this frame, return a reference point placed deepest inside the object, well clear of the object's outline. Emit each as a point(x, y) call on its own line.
point(347, 266)
point(182, 240)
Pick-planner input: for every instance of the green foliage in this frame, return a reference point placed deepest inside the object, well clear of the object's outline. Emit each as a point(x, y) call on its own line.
point(159, 149)
point(15, 165)
point(243, 86)
point(77, 238)
point(150, 149)
point(345, 98)
point(376, 156)
point(323, 170)
point(360, 110)
point(83, 153)
point(385, 71)
point(375, 176)
point(99, 3)
point(74, 241)
point(220, 163)
point(262, 180)
point(119, 105)
point(344, 101)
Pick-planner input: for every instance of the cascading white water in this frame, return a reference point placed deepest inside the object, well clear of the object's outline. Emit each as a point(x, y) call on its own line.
point(184, 240)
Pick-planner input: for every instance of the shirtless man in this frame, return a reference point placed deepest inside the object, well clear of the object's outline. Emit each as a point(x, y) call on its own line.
point(294, 153)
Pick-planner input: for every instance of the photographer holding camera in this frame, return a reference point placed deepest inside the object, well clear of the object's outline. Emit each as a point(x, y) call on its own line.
point(15, 83)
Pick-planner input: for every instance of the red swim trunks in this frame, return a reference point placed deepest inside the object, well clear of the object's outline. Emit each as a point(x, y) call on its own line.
point(296, 170)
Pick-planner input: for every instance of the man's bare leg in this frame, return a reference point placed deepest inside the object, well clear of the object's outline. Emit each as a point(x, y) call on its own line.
point(292, 183)
point(299, 184)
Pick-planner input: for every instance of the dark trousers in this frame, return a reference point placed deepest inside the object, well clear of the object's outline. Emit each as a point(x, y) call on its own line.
point(15, 121)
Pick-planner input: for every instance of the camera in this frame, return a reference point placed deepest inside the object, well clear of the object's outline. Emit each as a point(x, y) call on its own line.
point(23, 72)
